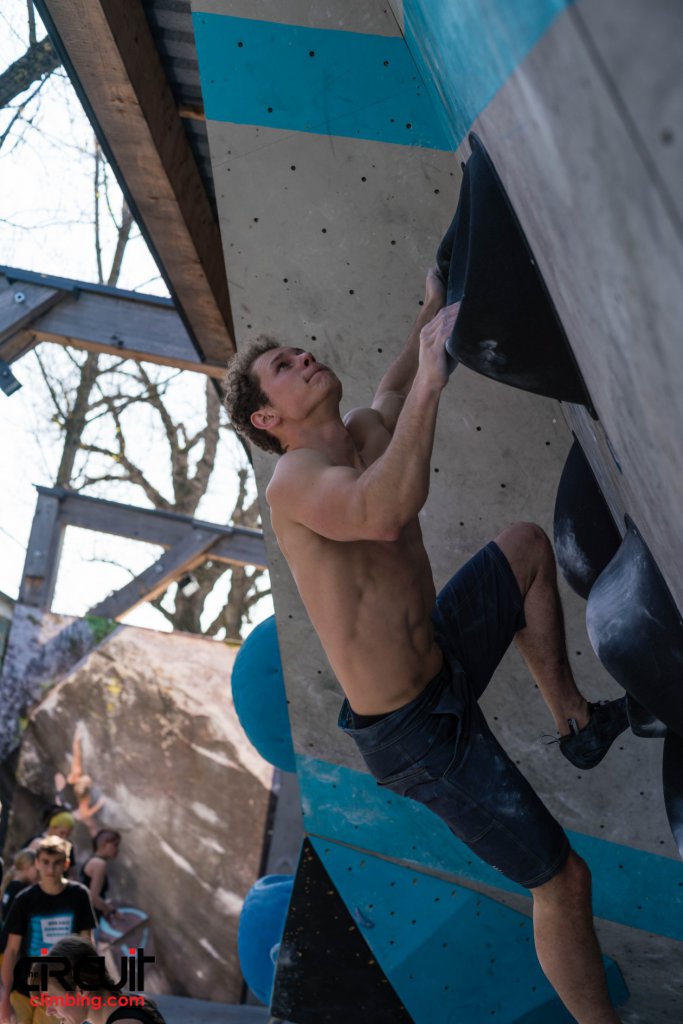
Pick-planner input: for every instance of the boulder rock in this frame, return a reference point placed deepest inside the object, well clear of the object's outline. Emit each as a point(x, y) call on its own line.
point(161, 741)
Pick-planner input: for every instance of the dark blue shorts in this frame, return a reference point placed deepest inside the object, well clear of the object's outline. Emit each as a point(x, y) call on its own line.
point(439, 749)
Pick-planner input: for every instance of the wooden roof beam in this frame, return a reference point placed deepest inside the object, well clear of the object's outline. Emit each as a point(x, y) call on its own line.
point(37, 307)
point(109, 47)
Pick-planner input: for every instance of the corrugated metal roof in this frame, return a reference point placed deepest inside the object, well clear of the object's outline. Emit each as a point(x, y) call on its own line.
point(171, 25)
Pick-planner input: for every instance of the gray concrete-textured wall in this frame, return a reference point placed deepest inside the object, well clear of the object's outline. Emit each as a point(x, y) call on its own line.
point(350, 292)
point(327, 240)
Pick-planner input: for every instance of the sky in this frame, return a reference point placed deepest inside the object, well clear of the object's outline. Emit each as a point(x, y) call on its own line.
point(47, 225)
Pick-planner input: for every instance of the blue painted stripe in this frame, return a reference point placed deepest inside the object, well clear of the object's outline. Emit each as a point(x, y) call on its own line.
point(467, 49)
point(449, 953)
point(321, 81)
point(631, 887)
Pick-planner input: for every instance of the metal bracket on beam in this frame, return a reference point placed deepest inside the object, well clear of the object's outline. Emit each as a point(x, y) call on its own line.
point(8, 382)
point(20, 305)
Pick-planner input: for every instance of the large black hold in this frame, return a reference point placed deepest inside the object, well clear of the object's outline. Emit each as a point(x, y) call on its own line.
point(672, 776)
point(326, 972)
point(507, 327)
point(637, 631)
point(643, 723)
point(585, 534)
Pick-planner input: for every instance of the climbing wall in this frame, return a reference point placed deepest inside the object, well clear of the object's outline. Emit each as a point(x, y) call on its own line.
point(337, 134)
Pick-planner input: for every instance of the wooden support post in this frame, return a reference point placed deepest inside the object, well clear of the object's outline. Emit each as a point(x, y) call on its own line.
point(42, 556)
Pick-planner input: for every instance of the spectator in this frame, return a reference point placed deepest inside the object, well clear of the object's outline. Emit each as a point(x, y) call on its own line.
point(94, 871)
point(47, 911)
point(59, 823)
point(19, 877)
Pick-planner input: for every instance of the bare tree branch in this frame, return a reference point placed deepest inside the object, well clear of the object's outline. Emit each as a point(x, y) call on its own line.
point(60, 412)
point(134, 473)
point(32, 38)
point(20, 111)
point(209, 436)
point(112, 561)
point(107, 198)
point(104, 406)
point(157, 603)
point(40, 60)
point(121, 242)
point(75, 421)
point(98, 240)
point(155, 399)
point(88, 481)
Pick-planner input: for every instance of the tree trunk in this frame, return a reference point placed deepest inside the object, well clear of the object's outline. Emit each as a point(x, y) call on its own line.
point(74, 424)
point(234, 612)
point(121, 243)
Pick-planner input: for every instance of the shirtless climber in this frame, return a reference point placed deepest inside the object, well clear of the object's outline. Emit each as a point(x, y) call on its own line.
point(344, 499)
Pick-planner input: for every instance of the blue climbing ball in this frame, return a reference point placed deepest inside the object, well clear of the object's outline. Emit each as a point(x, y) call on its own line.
point(258, 691)
point(262, 923)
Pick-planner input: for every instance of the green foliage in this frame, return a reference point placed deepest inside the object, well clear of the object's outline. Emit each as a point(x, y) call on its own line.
point(101, 627)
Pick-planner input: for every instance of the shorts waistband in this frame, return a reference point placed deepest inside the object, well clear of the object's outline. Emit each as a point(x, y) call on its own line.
point(403, 720)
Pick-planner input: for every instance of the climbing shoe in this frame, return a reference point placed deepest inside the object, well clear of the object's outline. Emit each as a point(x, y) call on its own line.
point(586, 747)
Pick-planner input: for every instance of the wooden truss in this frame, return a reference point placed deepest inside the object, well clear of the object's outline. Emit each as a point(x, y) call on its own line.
point(188, 543)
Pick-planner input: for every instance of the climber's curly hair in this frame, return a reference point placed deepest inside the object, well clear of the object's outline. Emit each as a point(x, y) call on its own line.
point(243, 394)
